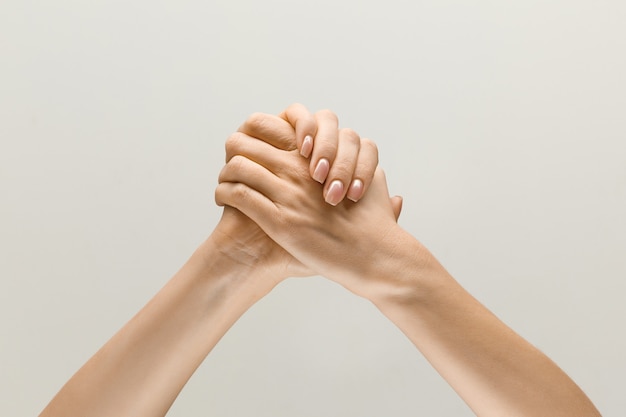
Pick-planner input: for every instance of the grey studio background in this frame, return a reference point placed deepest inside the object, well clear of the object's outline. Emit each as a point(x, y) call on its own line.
point(501, 123)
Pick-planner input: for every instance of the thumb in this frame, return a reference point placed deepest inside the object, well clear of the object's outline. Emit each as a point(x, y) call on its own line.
point(396, 204)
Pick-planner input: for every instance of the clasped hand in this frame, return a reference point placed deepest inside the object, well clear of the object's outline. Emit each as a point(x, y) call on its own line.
point(303, 197)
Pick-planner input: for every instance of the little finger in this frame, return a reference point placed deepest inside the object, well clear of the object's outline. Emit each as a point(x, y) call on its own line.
point(366, 165)
point(271, 129)
point(343, 167)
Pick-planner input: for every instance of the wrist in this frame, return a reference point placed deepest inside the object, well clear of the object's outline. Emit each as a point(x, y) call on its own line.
point(234, 270)
point(240, 251)
point(405, 269)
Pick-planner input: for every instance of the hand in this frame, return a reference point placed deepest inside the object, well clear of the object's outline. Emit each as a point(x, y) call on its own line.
point(243, 240)
point(319, 136)
point(272, 186)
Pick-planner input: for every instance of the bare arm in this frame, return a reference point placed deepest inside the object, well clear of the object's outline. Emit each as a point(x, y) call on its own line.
point(142, 368)
point(494, 370)
point(360, 246)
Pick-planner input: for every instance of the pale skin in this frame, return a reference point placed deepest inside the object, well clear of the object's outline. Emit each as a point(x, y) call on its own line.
point(142, 368)
point(286, 214)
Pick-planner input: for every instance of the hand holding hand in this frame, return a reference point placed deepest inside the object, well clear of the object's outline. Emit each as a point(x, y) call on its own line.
point(338, 168)
point(354, 161)
point(273, 187)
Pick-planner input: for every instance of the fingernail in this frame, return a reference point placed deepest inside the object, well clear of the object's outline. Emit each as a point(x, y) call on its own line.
point(321, 170)
point(355, 192)
point(335, 193)
point(307, 146)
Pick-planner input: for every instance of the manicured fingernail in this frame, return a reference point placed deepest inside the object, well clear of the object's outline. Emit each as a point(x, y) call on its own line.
point(321, 170)
point(356, 190)
point(335, 193)
point(307, 146)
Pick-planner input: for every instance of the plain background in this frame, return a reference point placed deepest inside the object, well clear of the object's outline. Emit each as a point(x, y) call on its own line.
point(502, 123)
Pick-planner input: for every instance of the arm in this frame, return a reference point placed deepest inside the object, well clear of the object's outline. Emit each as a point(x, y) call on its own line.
point(142, 368)
point(492, 368)
point(361, 247)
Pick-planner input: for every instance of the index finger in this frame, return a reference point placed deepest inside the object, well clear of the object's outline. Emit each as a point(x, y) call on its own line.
point(304, 124)
point(271, 129)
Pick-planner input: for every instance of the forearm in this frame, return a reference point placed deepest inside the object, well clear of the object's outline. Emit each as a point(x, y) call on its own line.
point(492, 368)
point(141, 370)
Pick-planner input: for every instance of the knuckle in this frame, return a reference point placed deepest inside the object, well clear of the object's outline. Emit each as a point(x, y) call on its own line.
point(370, 146)
point(256, 121)
point(241, 192)
point(364, 170)
point(342, 169)
point(233, 144)
point(328, 114)
point(221, 177)
point(307, 121)
point(237, 164)
point(218, 195)
point(326, 148)
point(351, 136)
point(299, 176)
point(296, 106)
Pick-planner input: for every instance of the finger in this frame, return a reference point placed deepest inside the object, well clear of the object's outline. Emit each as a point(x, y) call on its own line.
point(271, 129)
point(366, 165)
point(256, 150)
point(378, 187)
point(343, 167)
point(396, 205)
point(325, 145)
point(249, 201)
point(242, 170)
point(301, 119)
point(379, 192)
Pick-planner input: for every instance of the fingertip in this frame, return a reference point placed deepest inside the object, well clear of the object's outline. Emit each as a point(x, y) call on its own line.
point(355, 192)
point(334, 195)
point(304, 124)
point(400, 201)
point(307, 146)
point(396, 205)
point(321, 170)
point(217, 196)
